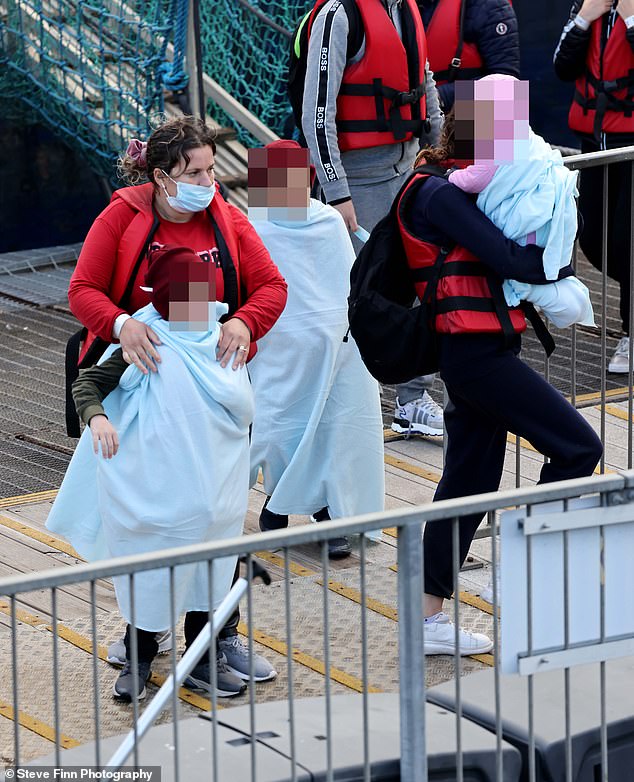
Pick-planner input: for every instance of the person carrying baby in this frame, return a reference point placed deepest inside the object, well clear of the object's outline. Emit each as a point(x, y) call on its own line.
point(524, 188)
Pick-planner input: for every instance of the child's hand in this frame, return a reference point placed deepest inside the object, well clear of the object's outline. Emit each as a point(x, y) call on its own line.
point(103, 431)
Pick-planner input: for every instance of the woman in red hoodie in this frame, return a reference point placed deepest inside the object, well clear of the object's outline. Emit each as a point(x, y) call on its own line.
point(178, 204)
point(174, 200)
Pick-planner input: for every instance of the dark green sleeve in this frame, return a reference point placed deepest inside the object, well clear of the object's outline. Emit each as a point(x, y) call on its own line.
point(95, 383)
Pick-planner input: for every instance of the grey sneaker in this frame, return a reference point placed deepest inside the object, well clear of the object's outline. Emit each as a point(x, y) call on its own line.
point(236, 652)
point(116, 650)
point(227, 683)
point(620, 361)
point(124, 690)
point(422, 416)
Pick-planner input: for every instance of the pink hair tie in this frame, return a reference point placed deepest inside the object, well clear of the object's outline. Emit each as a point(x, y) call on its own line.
point(137, 150)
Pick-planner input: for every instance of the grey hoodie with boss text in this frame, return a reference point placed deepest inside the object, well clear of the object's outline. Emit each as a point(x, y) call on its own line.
point(324, 72)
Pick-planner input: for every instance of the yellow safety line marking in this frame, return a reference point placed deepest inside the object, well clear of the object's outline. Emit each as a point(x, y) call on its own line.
point(306, 660)
point(617, 412)
point(36, 726)
point(487, 659)
point(476, 602)
point(276, 559)
point(352, 594)
point(596, 395)
point(23, 616)
point(85, 644)
point(27, 499)
point(42, 537)
point(391, 531)
point(411, 468)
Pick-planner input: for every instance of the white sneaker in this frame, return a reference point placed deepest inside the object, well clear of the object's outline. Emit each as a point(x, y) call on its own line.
point(421, 415)
point(487, 593)
point(620, 361)
point(439, 638)
point(116, 650)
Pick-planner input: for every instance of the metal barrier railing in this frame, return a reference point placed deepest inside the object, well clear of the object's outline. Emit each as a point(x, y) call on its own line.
point(606, 158)
point(588, 525)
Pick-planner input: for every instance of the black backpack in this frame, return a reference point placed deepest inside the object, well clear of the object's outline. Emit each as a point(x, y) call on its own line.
point(396, 340)
point(299, 54)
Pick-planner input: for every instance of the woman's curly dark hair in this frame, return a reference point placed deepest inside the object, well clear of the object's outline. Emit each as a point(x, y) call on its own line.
point(445, 150)
point(168, 145)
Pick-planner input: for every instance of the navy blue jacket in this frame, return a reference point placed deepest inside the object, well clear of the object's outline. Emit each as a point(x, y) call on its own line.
point(445, 215)
point(492, 26)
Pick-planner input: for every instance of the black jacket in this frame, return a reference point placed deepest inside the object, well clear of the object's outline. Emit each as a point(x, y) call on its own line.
point(571, 51)
point(570, 61)
point(492, 26)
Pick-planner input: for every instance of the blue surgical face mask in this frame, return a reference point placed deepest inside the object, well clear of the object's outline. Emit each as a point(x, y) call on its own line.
point(189, 198)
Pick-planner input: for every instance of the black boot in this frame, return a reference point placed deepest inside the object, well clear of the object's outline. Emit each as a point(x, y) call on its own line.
point(338, 548)
point(270, 520)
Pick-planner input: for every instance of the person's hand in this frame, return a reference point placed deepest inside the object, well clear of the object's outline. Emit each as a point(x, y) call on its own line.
point(235, 337)
point(346, 210)
point(103, 432)
point(625, 8)
point(593, 9)
point(137, 345)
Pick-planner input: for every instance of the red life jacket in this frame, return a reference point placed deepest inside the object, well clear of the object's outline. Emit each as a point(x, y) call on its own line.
point(450, 57)
point(135, 238)
point(382, 96)
point(468, 298)
point(604, 95)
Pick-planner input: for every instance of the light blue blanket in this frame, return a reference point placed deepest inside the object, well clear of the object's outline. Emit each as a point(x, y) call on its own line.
point(180, 476)
point(537, 196)
point(317, 432)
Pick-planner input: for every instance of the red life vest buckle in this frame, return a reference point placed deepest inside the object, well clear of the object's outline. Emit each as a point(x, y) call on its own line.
point(456, 62)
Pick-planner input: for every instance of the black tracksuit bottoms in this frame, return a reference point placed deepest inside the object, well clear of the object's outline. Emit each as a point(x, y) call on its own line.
point(492, 392)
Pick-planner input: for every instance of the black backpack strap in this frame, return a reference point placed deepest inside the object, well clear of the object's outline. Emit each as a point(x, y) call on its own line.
point(540, 328)
point(71, 373)
point(501, 309)
point(429, 297)
point(127, 294)
point(456, 63)
point(229, 272)
point(94, 353)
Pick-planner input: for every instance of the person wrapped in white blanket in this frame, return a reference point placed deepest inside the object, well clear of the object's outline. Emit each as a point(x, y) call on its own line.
point(180, 476)
point(525, 190)
point(317, 433)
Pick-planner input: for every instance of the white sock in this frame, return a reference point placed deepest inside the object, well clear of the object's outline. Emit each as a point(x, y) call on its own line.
point(433, 618)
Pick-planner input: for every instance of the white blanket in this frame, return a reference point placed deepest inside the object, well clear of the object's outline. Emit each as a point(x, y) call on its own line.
point(317, 432)
point(180, 476)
